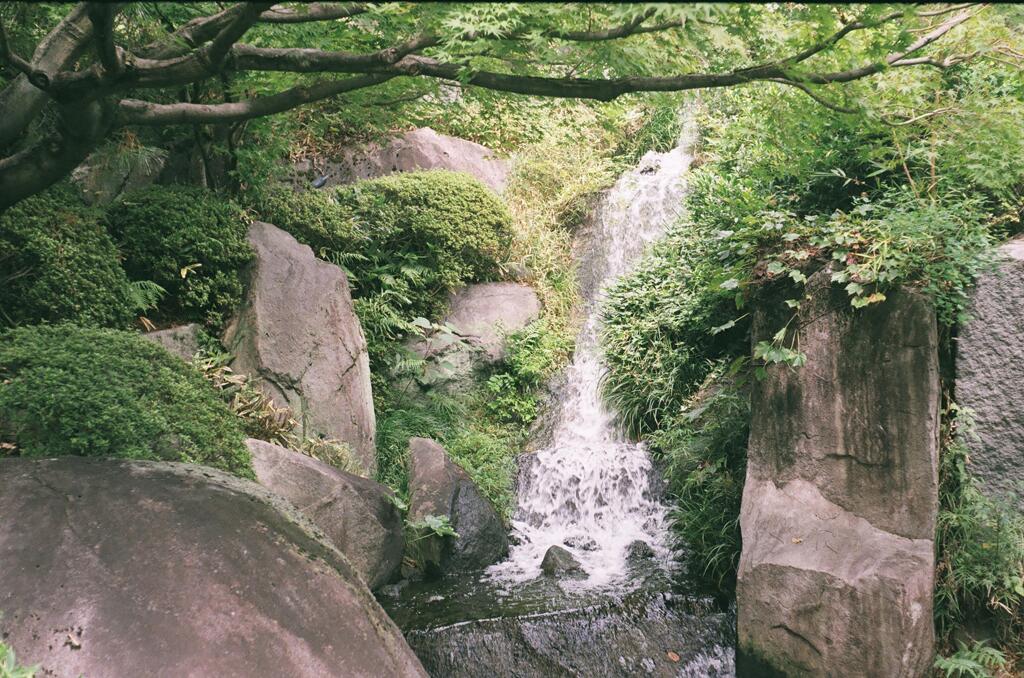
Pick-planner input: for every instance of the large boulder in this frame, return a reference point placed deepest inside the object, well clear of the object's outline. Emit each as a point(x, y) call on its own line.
point(299, 338)
point(358, 515)
point(104, 180)
point(182, 341)
point(990, 375)
point(420, 149)
point(439, 487)
point(482, 315)
point(131, 568)
point(840, 501)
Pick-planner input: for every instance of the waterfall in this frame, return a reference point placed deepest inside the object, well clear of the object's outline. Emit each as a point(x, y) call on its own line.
point(590, 490)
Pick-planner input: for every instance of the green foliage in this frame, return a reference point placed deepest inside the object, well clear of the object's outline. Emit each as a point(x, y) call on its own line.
point(9, 667)
point(404, 240)
point(974, 661)
point(97, 392)
point(431, 526)
point(57, 263)
point(980, 545)
point(704, 451)
point(532, 356)
point(188, 241)
point(656, 329)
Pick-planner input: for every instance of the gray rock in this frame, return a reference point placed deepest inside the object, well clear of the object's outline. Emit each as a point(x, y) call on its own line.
point(420, 149)
point(639, 550)
point(101, 182)
point(558, 562)
point(182, 341)
point(299, 338)
point(439, 487)
point(581, 543)
point(483, 315)
point(840, 501)
point(357, 515)
point(130, 568)
point(990, 375)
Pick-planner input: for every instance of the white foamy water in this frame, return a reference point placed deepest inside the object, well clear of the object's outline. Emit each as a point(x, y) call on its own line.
point(589, 491)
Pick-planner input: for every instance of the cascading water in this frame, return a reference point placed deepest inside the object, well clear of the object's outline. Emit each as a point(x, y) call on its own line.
point(590, 490)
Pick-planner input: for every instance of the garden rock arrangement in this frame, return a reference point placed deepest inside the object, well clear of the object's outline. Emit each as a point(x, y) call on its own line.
point(358, 515)
point(482, 315)
point(420, 149)
point(439, 487)
point(299, 338)
point(839, 506)
point(99, 578)
point(990, 375)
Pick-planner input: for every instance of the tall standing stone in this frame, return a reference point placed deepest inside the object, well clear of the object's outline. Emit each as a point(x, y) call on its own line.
point(839, 506)
point(990, 375)
point(298, 336)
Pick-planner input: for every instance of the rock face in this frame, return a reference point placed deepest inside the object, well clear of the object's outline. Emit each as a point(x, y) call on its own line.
point(990, 375)
point(840, 501)
point(659, 635)
point(298, 337)
point(181, 341)
point(101, 183)
point(558, 562)
point(438, 487)
point(420, 149)
point(356, 514)
point(483, 314)
point(131, 568)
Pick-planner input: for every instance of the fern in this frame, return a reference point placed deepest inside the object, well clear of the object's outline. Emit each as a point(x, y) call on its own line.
point(145, 295)
point(975, 661)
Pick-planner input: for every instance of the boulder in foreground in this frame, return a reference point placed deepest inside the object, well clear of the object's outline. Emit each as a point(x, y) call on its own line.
point(130, 568)
point(357, 515)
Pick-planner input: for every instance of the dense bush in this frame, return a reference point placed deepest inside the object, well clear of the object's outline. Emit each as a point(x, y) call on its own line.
point(404, 240)
point(188, 241)
point(97, 392)
point(57, 263)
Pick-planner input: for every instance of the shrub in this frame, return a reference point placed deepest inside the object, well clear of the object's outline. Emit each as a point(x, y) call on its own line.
point(57, 263)
point(96, 392)
point(189, 241)
point(405, 241)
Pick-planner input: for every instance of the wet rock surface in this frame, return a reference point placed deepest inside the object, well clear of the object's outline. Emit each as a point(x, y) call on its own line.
point(298, 336)
point(358, 515)
point(420, 149)
point(643, 634)
point(439, 487)
point(990, 375)
point(840, 501)
point(558, 562)
point(132, 568)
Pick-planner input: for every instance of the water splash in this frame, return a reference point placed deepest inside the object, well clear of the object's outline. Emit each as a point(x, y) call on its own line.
point(590, 489)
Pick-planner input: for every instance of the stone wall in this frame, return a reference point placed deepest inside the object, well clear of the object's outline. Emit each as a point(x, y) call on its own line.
point(840, 502)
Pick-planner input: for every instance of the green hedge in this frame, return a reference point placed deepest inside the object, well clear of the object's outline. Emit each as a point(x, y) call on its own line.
point(405, 241)
point(98, 392)
point(164, 231)
point(57, 263)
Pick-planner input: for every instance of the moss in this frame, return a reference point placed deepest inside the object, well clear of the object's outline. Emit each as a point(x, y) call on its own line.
point(165, 231)
point(57, 263)
point(68, 390)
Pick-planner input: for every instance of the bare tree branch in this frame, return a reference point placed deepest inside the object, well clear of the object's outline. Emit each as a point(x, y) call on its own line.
point(809, 92)
point(314, 11)
point(137, 112)
point(22, 100)
point(102, 14)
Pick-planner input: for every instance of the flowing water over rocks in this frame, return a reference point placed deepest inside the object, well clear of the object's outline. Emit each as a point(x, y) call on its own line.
point(594, 493)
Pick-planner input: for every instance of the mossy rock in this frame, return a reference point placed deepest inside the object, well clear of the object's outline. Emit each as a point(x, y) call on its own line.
point(69, 390)
point(57, 263)
point(191, 242)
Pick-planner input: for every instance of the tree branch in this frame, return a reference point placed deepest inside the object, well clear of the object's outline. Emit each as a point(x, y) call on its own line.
point(315, 11)
point(137, 112)
point(809, 92)
point(102, 14)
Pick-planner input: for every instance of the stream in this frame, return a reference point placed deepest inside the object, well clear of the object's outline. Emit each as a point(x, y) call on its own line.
point(592, 491)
